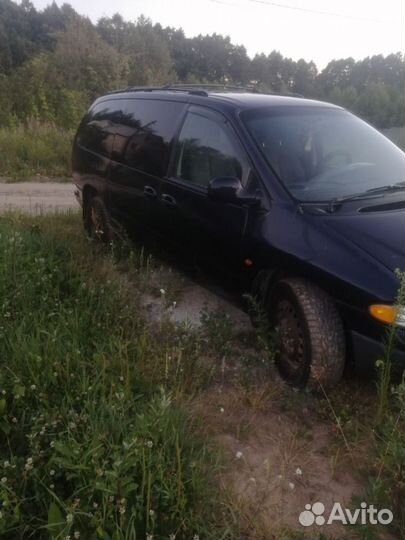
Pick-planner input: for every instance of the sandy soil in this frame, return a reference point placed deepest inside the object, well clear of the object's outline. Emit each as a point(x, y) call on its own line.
point(281, 456)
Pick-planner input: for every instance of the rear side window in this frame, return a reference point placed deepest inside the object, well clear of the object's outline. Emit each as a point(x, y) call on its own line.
point(98, 128)
point(206, 150)
point(142, 140)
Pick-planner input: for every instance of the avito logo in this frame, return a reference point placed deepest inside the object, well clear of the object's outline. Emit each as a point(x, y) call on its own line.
point(365, 515)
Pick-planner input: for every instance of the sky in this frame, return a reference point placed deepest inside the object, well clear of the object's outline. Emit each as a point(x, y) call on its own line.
point(318, 30)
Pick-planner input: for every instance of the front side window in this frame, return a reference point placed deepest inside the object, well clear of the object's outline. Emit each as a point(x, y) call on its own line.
point(322, 153)
point(206, 151)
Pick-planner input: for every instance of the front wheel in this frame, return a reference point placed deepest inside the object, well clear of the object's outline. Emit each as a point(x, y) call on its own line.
point(311, 341)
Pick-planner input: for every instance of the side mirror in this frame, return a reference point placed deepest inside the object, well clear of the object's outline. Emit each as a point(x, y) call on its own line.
point(230, 190)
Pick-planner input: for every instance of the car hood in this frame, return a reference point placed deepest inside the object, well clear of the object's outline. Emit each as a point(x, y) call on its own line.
point(380, 234)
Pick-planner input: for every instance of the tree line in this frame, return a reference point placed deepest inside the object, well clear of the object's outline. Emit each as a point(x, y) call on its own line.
point(54, 62)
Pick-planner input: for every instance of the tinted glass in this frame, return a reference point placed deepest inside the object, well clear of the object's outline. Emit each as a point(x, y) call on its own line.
point(143, 137)
point(98, 128)
point(323, 153)
point(206, 151)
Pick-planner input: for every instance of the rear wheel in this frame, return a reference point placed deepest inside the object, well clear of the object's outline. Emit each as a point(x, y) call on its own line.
point(97, 221)
point(311, 342)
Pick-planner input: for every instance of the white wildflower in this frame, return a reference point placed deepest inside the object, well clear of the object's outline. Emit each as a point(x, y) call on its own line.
point(291, 485)
point(69, 518)
point(6, 464)
point(239, 455)
point(298, 471)
point(4, 480)
point(222, 410)
point(162, 292)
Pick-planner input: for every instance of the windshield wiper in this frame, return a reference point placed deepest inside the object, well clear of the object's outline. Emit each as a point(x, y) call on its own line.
point(399, 186)
point(368, 194)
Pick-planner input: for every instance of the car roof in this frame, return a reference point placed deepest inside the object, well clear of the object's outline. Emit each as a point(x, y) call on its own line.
point(240, 100)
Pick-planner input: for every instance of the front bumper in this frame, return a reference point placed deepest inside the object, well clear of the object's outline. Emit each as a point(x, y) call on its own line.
point(366, 351)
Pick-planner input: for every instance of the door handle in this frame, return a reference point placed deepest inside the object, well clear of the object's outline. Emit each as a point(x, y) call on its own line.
point(149, 192)
point(168, 200)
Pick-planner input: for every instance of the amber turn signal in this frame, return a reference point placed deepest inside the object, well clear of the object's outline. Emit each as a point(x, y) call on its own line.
point(383, 313)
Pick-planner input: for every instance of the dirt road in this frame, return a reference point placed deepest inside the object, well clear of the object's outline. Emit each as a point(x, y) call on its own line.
point(37, 197)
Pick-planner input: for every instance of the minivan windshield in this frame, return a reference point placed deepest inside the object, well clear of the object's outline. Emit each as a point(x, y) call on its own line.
point(322, 153)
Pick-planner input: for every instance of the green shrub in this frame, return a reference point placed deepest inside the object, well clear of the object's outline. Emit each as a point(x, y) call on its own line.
point(35, 149)
point(386, 487)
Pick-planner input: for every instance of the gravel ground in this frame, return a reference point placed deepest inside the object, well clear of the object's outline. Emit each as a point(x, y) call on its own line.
point(37, 197)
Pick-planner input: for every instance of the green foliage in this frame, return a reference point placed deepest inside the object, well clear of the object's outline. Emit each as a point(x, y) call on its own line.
point(386, 486)
point(35, 148)
point(54, 62)
point(89, 443)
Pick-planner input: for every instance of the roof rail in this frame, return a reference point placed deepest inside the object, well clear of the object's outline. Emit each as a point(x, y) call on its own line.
point(195, 91)
point(203, 86)
point(201, 89)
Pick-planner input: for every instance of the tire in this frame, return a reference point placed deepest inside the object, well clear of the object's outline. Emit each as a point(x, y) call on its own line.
point(311, 348)
point(97, 221)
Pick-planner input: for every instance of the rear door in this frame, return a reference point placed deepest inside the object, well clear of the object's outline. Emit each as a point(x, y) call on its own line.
point(142, 146)
point(206, 148)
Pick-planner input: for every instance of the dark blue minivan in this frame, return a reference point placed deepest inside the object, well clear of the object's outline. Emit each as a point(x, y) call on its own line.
point(299, 201)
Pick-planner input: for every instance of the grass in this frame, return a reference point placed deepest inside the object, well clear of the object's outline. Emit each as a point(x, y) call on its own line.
point(95, 440)
point(107, 421)
point(35, 149)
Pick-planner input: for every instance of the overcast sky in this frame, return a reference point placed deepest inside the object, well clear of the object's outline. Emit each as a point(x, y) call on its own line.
point(318, 30)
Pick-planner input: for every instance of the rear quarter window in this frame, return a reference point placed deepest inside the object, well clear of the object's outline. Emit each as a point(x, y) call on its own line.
point(98, 128)
point(145, 132)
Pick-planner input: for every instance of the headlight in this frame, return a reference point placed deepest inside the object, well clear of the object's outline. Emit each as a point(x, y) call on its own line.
point(388, 314)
